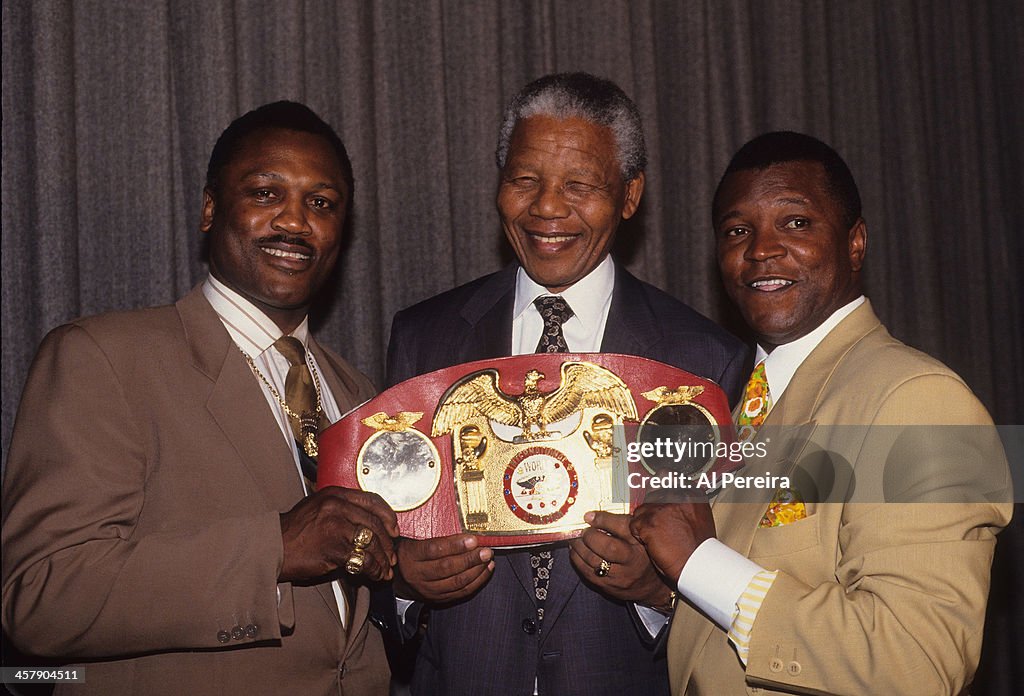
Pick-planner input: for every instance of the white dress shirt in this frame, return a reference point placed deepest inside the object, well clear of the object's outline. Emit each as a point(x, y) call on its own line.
point(590, 299)
point(254, 333)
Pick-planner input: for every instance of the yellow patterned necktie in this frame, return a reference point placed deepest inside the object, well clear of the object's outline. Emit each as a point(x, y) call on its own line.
point(787, 505)
point(756, 403)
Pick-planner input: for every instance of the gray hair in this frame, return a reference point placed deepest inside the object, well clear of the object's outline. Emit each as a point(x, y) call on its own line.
point(580, 95)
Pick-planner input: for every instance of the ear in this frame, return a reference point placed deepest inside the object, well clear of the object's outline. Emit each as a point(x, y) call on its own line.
point(634, 190)
point(206, 218)
point(858, 244)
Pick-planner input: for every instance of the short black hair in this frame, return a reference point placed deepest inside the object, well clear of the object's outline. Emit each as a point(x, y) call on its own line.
point(286, 115)
point(778, 147)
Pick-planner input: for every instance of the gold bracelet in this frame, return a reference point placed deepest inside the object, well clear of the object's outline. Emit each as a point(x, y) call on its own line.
point(670, 607)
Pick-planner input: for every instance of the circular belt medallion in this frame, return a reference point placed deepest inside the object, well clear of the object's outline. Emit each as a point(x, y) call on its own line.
point(692, 429)
point(540, 485)
point(401, 467)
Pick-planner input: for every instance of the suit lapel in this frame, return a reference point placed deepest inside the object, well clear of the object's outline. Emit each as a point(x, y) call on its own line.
point(519, 563)
point(342, 388)
point(488, 315)
point(791, 424)
point(632, 326)
point(563, 583)
point(359, 615)
point(739, 511)
point(252, 431)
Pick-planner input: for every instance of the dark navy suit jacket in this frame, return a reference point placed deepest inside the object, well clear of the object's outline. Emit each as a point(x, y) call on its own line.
point(588, 644)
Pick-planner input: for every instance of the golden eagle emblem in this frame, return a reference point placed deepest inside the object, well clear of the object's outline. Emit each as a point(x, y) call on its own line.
point(403, 420)
point(583, 385)
point(678, 396)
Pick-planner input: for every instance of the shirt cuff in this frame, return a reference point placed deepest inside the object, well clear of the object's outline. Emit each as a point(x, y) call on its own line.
point(652, 619)
point(714, 578)
point(402, 606)
point(747, 607)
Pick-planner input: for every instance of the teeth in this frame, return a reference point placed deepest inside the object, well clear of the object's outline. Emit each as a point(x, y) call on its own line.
point(555, 240)
point(774, 282)
point(286, 254)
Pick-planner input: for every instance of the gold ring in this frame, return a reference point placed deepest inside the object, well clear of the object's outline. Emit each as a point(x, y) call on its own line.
point(364, 535)
point(602, 570)
point(354, 564)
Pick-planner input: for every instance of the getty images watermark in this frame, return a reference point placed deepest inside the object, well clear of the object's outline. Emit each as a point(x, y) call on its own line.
point(670, 453)
point(872, 464)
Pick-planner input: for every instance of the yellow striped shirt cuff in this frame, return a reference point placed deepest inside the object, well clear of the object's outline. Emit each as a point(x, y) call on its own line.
point(747, 607)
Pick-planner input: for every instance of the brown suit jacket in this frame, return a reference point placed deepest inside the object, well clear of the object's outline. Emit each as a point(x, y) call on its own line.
point(872, 597)
point(141, 502)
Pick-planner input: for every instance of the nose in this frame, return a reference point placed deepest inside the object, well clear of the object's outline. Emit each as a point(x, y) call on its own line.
point(549, 202)
point(291, 218)
point(764, 245)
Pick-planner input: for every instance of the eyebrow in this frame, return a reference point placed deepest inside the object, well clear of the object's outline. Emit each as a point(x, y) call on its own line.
point(726, 216)
point(274, 176)
point(791, 201)
point(784, 200)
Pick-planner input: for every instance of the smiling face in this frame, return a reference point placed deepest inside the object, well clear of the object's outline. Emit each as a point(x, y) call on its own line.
point(561, 197)
point(275, 221)
point(787, 259)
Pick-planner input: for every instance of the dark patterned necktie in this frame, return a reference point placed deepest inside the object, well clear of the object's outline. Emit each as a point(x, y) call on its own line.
point(555, 311)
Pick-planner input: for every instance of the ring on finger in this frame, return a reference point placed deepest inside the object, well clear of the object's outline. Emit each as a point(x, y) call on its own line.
point(354, 564)
point(602, 570)
point(362, 539)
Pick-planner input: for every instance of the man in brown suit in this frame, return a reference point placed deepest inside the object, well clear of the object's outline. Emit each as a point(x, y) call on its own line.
point(156, 524)
point(868, 571)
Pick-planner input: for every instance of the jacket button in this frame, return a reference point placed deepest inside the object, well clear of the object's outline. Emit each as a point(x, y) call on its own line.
point(223, 636)
point(238, 633)
point(794, 668)
point(251, 630)
point(775, 665)
point(529, 626)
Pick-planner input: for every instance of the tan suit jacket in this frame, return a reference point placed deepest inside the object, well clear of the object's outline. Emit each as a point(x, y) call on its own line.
point(141, 501)
point(871, 597)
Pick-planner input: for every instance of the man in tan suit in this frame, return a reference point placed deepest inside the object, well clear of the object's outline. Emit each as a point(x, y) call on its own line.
point(156, 524)
point(867, 572)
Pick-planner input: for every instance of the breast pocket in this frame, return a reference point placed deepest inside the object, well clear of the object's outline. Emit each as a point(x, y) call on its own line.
point(786, 540)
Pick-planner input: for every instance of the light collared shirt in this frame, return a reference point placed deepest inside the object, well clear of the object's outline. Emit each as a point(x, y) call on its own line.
point(781, 364)
point(255, 333)
point(715, 576)
point(590, 299)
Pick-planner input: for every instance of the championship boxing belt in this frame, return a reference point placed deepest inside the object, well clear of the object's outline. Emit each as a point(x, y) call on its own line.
point(517, 450)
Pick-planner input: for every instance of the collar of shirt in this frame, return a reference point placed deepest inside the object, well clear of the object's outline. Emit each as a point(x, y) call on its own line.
point(590, 299)
point(781, 364)
point(252, 330)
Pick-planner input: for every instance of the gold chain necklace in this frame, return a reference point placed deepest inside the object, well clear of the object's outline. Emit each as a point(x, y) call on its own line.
point(309, 423)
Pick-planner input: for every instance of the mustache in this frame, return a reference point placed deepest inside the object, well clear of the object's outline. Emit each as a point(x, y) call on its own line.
point(286, 239)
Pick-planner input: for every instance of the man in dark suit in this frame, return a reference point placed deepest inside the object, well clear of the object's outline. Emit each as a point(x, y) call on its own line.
point(571, 155)
point(156, 523)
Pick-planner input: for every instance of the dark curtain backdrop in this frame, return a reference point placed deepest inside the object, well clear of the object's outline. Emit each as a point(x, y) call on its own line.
point(110, 109)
